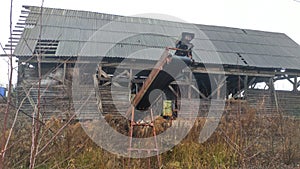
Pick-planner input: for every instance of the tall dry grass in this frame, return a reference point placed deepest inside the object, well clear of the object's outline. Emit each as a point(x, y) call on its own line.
point(244, 139)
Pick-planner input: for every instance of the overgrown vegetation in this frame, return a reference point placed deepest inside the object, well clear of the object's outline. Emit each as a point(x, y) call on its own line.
point(243, 140)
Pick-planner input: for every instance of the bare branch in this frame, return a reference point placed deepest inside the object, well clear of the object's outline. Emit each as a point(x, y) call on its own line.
point(12, 127)
point(35, 126)
point(64, 126)
point(3, 141)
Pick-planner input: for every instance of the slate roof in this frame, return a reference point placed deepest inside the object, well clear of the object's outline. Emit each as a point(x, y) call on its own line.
point(83, 33)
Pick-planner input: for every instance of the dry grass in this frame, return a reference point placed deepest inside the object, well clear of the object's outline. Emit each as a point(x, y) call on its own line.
point(247, 139)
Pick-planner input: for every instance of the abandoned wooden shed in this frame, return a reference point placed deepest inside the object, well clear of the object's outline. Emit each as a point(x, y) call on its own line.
point(124, 49)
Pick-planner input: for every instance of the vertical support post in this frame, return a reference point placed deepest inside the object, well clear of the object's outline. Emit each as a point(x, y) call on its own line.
point(219, 86)
point(99, 70)
point(271, 84)
point(218, 92)
point(295, 84)
point(273, 92)
point(130, 84)
point(76, 74)
point(130, 135)
point(154, 137)
point(245, 86)
point(190, 85)
point(271, 87)
point(64, 73)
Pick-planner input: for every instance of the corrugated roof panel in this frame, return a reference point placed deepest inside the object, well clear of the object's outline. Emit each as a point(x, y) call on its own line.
point(82, 23)
point(235, 47)
point(213, 57)
point(55, 20)
point(218, 28)
point(204, 45)
point(212, 35)
point(291, 42)
point(86, 34)
point(100, 23)
point(255, 60)
point(238, 37)
point(206, 57)
point(225, 36)
point(127, 50)
point(262, 40)
point(284, 42)
point(268, 61)
point(123, 48)
point(264, 33)
point(144, 41)
point(92, 23)
point(293, 51)
point(251, 48)
point(221, 46)
point(31, 33)
point(150, 40)
point(74, 22)
point(199, 34)
point(70, 35)
point(245, 38)
point(106, 36)
point(258, 49)
point(55, 33)
point(25, 48)
point(251, 39)
point(67, 48)
point(274, 51)
point(121, 36)
point(231, 59)
point(176, 31)
point(49, 11)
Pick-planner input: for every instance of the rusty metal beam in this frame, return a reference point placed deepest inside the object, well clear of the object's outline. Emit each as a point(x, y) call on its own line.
point(155, 71)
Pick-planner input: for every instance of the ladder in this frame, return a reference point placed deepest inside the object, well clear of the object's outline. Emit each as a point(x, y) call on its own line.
point(139, 150)
point(142, 93)
point(165, 58)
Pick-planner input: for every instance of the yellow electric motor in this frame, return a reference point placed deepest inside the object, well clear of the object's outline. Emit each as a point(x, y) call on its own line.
point(167, 108)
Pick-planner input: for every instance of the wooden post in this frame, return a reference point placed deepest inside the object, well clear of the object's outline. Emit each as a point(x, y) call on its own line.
point(76, 74)
point(295, 84)
point(190, 85)
point(298, 84)
point(271, 87)
point(252, 83)
point(245, 86)
point(218, 88)
point(271, 84)
point(64, 73)
point(98, 95)
point(219, 84)
point(130, 84)
point(273, 93)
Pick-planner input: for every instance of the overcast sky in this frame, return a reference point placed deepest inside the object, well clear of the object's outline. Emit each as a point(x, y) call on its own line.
point(267, 15)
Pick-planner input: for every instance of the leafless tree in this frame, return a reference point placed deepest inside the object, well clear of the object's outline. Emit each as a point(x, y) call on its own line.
point(3, 141)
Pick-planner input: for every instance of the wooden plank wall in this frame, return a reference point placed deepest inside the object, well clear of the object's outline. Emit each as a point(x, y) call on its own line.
point(288, 102)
